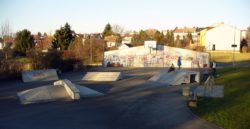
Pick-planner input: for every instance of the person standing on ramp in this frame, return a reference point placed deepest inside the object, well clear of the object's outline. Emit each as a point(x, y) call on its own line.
point(214, 68)
point(179, 62)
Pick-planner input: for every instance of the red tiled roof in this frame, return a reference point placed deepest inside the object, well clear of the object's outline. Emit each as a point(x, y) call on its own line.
point(179, 31)
point(8, 40)
point(185, 30)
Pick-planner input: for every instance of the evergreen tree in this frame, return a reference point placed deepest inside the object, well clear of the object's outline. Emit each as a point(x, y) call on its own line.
point(45, 34)
point(39, 34)
point(23, 41)
point(136, 40)
point(177, 41)
point(172, 38)
point(63, 37)
point(158, 37)
point(143, 36)
point(107, 31)
point(190, 38)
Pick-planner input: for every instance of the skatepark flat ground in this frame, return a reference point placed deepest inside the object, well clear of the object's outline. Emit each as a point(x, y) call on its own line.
point(131, 103)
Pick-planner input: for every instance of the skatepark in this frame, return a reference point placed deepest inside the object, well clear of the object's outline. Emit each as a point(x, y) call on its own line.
point(132, 98)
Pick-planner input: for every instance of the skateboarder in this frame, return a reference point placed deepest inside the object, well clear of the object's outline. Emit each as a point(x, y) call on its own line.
point(214, 68)
point(172, 68)
point(179, 62)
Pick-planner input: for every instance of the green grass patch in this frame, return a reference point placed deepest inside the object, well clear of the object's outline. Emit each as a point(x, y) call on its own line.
point(232, 111)
point(227, 57)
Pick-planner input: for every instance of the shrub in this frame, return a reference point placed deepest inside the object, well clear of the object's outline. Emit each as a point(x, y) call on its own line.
point(40, 60)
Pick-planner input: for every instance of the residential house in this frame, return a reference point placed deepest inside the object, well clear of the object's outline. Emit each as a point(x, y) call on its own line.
point(203, 31)
point(182, 32)
point(6, 42)
point(42, 42)
point(112, 41)
point(127, 38)
point(222, 37)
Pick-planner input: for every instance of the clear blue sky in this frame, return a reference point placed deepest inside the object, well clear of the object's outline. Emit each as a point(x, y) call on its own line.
point(92, 15)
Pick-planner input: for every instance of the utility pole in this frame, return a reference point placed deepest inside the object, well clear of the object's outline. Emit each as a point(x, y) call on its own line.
point(103, 51)
point(91, 54)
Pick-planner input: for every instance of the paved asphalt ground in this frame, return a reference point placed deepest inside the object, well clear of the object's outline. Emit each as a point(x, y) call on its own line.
point(131, 103)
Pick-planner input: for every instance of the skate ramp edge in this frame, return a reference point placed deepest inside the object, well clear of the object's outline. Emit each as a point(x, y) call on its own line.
point(177, 77)
point(39, 75)
point(87, 92)
point(102, 76)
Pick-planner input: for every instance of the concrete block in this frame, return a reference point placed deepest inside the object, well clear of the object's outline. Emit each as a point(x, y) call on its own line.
point(70, 88)
point(39, 75)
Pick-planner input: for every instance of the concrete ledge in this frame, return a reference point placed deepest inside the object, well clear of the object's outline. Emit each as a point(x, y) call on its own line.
point(70, 88)
point(216, 91)
point(39, 75)
point(102, 76)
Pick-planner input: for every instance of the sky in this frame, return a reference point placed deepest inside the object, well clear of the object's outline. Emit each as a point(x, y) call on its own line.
point(90, 16)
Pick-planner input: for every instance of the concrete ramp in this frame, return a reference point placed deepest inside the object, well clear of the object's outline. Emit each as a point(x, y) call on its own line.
point(62, 89)
point(176, 77)
point(43, 94)
point(87, 92)
point(102, 76)
point(39, 75)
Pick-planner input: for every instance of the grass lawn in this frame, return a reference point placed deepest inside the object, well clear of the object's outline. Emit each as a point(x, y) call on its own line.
point(232, 111)
point(227, 57)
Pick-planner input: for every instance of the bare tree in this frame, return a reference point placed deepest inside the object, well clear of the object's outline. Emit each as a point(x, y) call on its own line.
point(6, 34)
point(118, 29)
point(5, 29)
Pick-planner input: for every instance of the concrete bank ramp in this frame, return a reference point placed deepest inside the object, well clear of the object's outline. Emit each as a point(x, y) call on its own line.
point(102, 76)
point(61, 90)
point(43, 94)
point(176, 77)
point(39, 75)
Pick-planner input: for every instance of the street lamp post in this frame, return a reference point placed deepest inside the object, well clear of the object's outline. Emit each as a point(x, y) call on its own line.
point(103, 51)
point(234, 46)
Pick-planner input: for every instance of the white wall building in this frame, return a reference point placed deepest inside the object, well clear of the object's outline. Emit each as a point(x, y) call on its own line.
point(222, 37)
